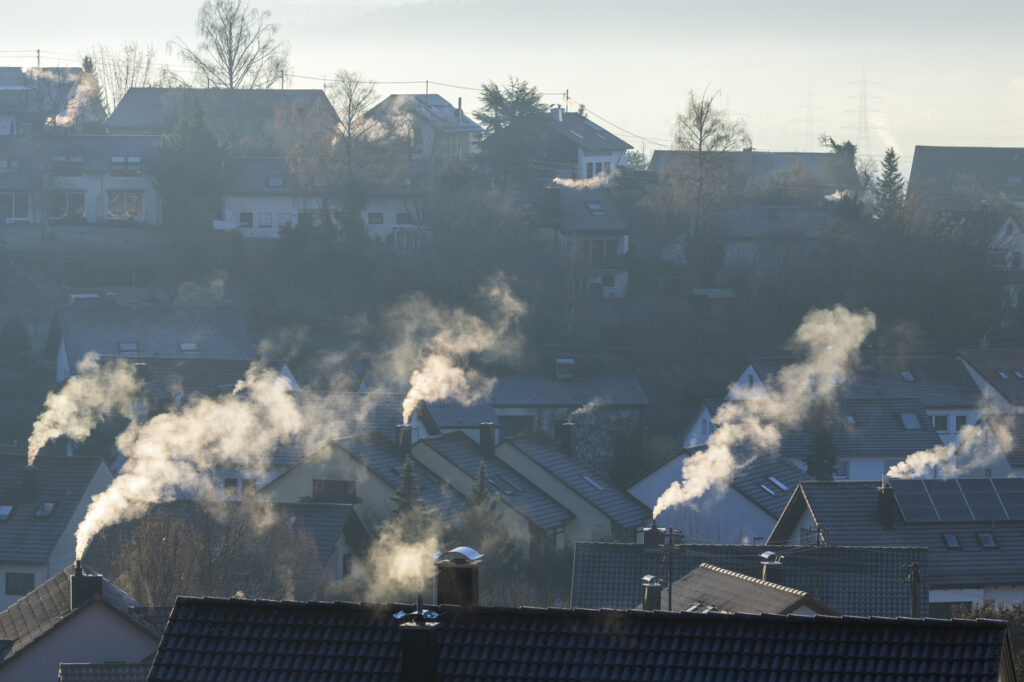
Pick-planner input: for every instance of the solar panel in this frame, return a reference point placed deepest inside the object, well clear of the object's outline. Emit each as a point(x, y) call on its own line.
point(981, 496)
point(1011, 492)
point(913, 501)
point(949, 501)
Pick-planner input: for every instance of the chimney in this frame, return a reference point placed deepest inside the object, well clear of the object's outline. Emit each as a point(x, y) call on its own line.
point(459, 112)
point(29, 484)
point(458, 577)
point(983, 346)
point(771, 567)
point(564, 368)
point(886, 505)
point(487, 439)
point(557, 112)
point(403, 438)
point(567, 437)
point(84, 587)
point(652, 593)
point(418, 639)
point(914, 579)
point(652, 536)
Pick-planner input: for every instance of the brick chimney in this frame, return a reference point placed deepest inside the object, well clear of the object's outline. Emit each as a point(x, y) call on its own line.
point(487, 439)
point(458, 577)
point(652, 593)
point(84, 587)
point(567, 437)
point(403, 438)
point(29, 484)
point(418, 640)
point(886, 505)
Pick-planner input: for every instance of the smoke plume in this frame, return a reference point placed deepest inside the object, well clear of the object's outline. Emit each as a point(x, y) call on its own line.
point(831, 340)
point(596, 182)
point(400, 562)
point(977, 446)
point(437, 343)
point(98, 391)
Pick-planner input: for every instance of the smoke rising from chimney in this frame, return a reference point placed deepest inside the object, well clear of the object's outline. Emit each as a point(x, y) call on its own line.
point(831, 339)
point(596, 182)
point(98, 391)
point(435, 343)
point(976, 447)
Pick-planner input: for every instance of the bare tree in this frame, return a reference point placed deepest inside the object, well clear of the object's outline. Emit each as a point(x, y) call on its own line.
point(133, 65)
point(352, 96)
point(238, 47)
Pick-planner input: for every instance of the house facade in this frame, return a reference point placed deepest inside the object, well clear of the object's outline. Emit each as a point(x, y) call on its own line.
point(586, 149)
point(595, 237)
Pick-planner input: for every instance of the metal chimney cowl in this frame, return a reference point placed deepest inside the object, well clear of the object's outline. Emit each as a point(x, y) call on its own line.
point(652, 592)
point(457, 574)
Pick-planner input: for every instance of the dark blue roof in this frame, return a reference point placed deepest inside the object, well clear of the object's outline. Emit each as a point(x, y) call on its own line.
point(612, 391)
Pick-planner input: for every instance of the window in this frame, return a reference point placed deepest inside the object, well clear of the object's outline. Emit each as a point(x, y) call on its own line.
point(67, 206)
point(245, 219)
point(403, 218)
point(608, 281)
point(346, 564)
point(128, 347)
point(45, 509)
point(909, 421)
point(188, 346)
point(951, 541)
point(940, 422)
point(19, 583)
point(768, 490)
point(596, 208)
point(590, 169)
point(961, 421)
point(592, 482)
point(284, 220)
point(334, 491)
point(275, 181)
point(778, 482)
point(808, 536)
point(266, 220)
point(5, 511)
point(1002, 374)
point(986, 540)
point(125, 166)
point(607, 167)
point(375, 218)
point(705, 427)
point(63, 166)
point(230, 487)
point(123, 205)
point(13, 206)
point(948, 609)
point(907, 376)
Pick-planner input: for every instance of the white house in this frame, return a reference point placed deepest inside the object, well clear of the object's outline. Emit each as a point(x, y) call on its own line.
point(588, 149)
point(595, 237)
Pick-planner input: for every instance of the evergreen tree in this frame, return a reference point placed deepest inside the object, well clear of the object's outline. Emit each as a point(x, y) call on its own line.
point(823, 456)
point(890, 191)
point(479, 493)
point(514, 128)
point(407, 497)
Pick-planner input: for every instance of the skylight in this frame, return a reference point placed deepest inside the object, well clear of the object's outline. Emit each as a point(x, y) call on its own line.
point(907, 376)
point(128, 347)
point(1017, 373)
point(5, 511)
point(592, 482)
point(768, 490)
point(576, 134)
point(986, 540)
point(45, 509)
point(850, 420)
point(778, 483)
point(1002, 374)
point(188, 345)
point(951, 540)
point(910, 421)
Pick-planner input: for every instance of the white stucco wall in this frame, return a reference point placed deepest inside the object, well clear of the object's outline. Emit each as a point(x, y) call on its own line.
point(282, 209)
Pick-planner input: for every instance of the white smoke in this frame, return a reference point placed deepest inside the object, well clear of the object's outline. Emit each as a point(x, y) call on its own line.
point(978, 446)
point(596, 182)
point(831, 340)
point(98, 391)
point(435, 345)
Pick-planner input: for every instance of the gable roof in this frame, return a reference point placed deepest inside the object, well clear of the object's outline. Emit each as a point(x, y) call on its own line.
point(27, 536)
point(231, 114)
point(588, 210)
point(608, 391)
point(622, 508)
point(452, 414)
point(710, 588)
point(847, 512)
point(47, 606)
point(102, 672)
point(257, 175)
point(512, 487)
point(857, 581)
point(936, 382)
point(757, 164)
point(995, 364)
point(765, 223)
point(219, 639)
point(218, 331)
point(754, 481)
point(170, 378)
point(97, 151)
point(584, 133)
point(961, 178)
point(434, 109)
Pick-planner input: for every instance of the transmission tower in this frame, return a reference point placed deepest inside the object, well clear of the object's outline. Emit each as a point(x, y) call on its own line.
point(863, 129)
point(810, 139)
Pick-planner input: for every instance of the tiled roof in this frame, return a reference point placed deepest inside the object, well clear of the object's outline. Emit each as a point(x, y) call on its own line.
point(935, 382)
point(584, 133)
point(102, 672)
point(97, 151)
point(436, 110)
point(27, 536)
point(450, 413)
point(382, 456)
point(995, 364)
point(754, 481)
point(1014, 423)
point(612, 391)
point(232, 114)
point(576, 215)
point(856, 581)
point(172, 378)
point(45, 607)
point(250, 175)
point(756, 164)
point(514, 489)
point(769, 222)
point(622, 508)
point(218, 639)
point(218, 331)
point(710, 588)
point(959, 178)
point(847, 513)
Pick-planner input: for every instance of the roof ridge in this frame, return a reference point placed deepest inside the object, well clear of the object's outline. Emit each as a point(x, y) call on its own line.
point(757, 581)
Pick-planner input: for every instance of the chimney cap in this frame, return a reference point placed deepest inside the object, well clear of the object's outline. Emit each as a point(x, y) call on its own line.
point(770, 558)
point(459, 555)
point(651, 581)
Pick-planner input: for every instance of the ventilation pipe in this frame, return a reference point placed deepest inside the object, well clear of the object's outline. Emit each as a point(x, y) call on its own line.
point(886, 505)
point(418, 640)
point(567, 437)
point(771, 567)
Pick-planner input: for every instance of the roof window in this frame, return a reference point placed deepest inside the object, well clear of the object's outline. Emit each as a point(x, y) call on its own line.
point(188, 346)
point(576, 134)
point(1002, 374)
point(275, 181)
point(44, 511)
point(951, 540)
point(1017, 373)
point(592, 482)
point(596, 208)
point(986, 540)
point(907, 376)
point(5, 511)
point(128, 347)
point(778, 483)
point(910, 421)
point(768, 490)
point(850, 420)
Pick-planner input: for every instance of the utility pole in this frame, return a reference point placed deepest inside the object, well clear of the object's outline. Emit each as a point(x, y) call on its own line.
point(38, 62)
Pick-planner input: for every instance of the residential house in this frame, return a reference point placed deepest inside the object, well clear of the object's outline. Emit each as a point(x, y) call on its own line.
point(600, 509)
point(219, 639)
point(60, 96)
point(365, 471)
point(854, 581)
point(532, 518)
point(148, 330)
point(447, 415)
point(438, 132)
point(999, 375)
point(79, 617)
point(710, 589)
point(40, 509)
point(743, 513)
point(964, 180)
point(582, 147)
point(973, 529)
point(595, 237)
point(602, 407)
point(260, 197)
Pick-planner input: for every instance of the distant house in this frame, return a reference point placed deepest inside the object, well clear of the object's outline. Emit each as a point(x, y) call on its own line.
point(584, 148)
point(766, 178)
point(595, 237)
point(217, 332)
point(40, 509)
point(1006, 248)
point(75, 618)
point(260, 198)
point(973, 529)
point(438, 132)
point(744, 513)
point(365, 471)
point(964, 180)
point(999, 375)
point(710, 589)
point(854, 581)
point(447, 415)
point(282, 640)
point(66, 95)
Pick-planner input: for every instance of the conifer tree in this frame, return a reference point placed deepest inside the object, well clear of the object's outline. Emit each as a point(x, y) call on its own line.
point(407, 497)
point(889, 195)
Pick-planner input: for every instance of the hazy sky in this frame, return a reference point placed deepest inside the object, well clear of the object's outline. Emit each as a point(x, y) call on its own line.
point(934, 74)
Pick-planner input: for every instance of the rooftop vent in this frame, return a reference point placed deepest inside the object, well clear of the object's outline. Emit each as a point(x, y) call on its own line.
point(652, 592)
point(5, 511)
point(487, 439)
point(771, 566)
point(458, 576)
point(403, 438)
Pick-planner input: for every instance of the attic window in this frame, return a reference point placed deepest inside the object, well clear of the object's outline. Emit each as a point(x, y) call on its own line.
point(5, 511)
point(1017, 373)
point(951, 540)
point(128, 347)
point(592, 482)
point(907, 376)
point(767, 489)
point(1002, 374)
point(778, 483)
point(275, 181)
point(910, 421)
point(45, 509)
point(188, 346)
point(596, 208)
point(986, 540)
